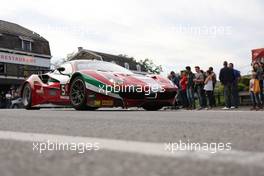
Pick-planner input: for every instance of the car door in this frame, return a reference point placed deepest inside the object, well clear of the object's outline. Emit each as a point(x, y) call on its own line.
point(62, 80)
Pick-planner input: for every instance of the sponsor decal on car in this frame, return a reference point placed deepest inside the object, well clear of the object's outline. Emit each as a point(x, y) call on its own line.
point(63, 89)
point(107, 102)
point(97, 103)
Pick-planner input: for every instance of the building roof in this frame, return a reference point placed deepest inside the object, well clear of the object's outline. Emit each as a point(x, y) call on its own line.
point(15, 29)
point(118, 59)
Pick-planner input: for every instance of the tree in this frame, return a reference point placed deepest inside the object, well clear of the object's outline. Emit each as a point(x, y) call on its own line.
point(150, 66)
point(55, 62)
point(126, 56)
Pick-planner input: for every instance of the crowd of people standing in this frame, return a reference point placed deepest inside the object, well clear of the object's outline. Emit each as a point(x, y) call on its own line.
point(201, 85)
point(190, 84)
point(6, 97)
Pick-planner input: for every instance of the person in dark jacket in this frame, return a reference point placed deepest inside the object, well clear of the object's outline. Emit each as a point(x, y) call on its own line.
point(190, 87)
point(235, 91)
point(258, 69)
point(227, 77)
point(176, 80)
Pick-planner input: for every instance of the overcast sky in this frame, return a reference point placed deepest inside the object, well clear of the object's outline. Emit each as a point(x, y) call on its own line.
point(172, 33)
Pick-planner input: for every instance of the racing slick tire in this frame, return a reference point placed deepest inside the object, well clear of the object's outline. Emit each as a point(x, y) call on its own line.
point(78, 94)
point(152, 107)
point(27, 97)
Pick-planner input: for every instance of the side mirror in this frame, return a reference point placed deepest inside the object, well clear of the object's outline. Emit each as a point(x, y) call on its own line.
point(61, 69)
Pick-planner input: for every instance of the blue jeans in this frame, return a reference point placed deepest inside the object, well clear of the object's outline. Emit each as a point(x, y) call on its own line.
point(261, 91)
point(184, 98)
point(201, 96)
point(190, 97)
point(255, 99)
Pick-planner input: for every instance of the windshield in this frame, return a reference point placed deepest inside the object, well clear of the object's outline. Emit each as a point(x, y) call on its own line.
point(101, 66)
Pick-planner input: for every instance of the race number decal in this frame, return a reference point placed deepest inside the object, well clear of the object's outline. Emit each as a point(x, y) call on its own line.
point(63, 90)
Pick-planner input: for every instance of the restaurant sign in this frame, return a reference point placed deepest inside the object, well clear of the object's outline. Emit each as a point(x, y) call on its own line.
point(24, 60)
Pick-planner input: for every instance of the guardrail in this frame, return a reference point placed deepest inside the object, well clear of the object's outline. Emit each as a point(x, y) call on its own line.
point(244, 98)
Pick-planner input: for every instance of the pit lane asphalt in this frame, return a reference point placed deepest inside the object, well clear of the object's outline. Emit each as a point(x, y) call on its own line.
point(244, 129)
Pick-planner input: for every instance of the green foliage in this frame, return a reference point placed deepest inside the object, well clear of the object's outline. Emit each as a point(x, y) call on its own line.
point(150, 66)
point(241, 87)
point(219, 88)
point(245, 80)
point(243, 84)
point(126, 56)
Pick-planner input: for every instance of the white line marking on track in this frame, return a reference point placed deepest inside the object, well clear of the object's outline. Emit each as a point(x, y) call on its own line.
point(143, 148)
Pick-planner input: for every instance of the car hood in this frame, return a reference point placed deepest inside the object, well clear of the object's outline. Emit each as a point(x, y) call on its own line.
point(128, 79)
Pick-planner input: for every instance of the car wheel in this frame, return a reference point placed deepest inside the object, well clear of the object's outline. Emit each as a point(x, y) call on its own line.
point(27, 96)
point(152, 107)
point(78, 94)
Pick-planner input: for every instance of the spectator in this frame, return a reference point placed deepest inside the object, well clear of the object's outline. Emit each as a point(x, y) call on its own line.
point(208, 87)
point(183, 83)
point(259, 76)
point(2, 100)
point(262, 85)
point(175, 79)
point(235, 93)
point(199, 83)
point(169, 77)
point(190, 88)
point(254, 92)
point(227, 77)
point(211, 69)
point(203, 92)
point(8, 97)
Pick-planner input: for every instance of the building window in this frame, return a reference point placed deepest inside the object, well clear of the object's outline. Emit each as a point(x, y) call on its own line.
point(2, 69)
point(20, 72)
point(138, 68)
point(127, 65)
point(26, 45)
point(11, 69)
